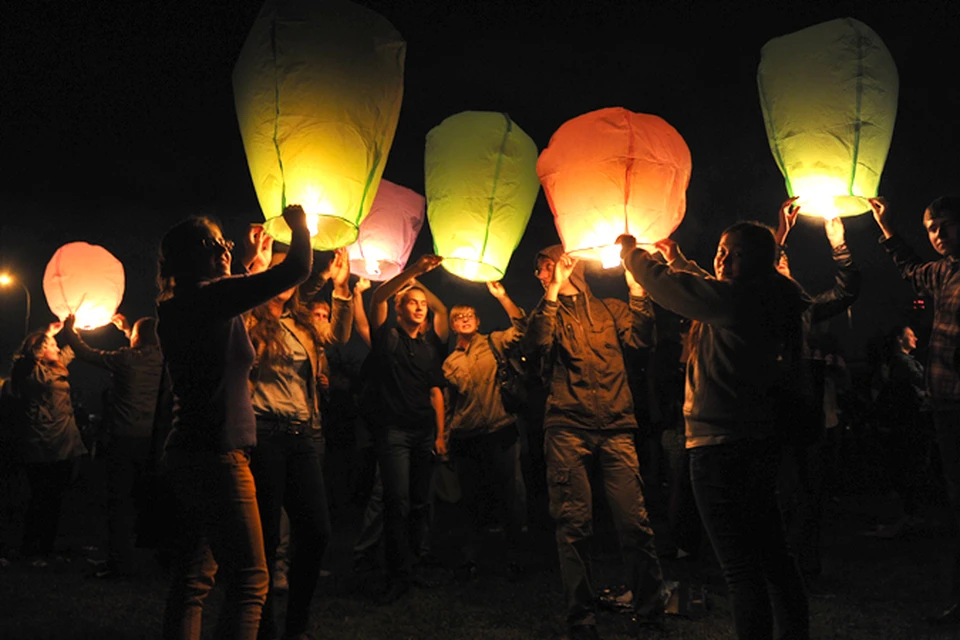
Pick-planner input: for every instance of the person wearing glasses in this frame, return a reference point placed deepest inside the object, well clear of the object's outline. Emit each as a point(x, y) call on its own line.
point(484, 439)
point(209, 355)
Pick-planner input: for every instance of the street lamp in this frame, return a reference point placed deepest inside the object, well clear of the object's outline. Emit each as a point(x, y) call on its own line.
point(5, 281)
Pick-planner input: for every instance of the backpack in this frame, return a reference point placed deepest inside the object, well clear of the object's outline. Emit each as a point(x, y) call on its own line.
point(511, 378)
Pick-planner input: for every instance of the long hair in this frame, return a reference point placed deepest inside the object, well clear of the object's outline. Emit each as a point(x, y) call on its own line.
point(759, 239)
point(177, 261)
point(266, 332)
point(27, 358)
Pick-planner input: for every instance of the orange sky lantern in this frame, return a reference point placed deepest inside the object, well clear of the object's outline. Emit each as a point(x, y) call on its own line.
point(610, 172)
point(85, 280)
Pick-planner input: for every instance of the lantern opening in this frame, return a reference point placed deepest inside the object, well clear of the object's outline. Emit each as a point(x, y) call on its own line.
point(472, 270)
point(325, 230)
point(608, 255)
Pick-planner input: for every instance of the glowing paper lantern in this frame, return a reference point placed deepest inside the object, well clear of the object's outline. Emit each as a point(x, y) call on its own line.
point(481, 184)
point(317, 90)
point(85, 280)
point(388, 233)
point(829, 99)
point(611, 172)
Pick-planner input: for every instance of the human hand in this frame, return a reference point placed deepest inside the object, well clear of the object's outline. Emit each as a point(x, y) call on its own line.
point(564, 269)
point(361, 285)
point(55, 327)
point(787, 218)
point(627, 244)
point(835, 231)
point(496, 289)
point(295, 217)
point(440, 447)
point(881, 214)
point(339, 270)
point(259, 244)
point(670, 250)
point(120, 322)
point(427, 263)
point(324, 382)
point(68, 325)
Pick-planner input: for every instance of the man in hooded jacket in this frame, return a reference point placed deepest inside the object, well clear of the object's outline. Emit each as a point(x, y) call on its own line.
point(590, 423)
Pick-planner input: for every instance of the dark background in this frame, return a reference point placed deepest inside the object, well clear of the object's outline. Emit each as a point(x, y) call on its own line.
point(118, 121)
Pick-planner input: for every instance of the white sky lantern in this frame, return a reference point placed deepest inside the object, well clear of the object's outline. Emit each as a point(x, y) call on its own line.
point(829, 100)
point(85, 280)
point(317, 89)
point(611, 172)
point(388, 233)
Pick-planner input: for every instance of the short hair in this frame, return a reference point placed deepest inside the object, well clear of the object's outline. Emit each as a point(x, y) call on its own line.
point(759, 239)
point(945, 207)
point(460, 308)
point(401, 297)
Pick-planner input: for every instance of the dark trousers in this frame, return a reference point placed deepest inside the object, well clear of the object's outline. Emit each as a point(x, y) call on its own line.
point(406, 470)
point(219, 529)
point(572, 456)
point(48, 483)
point(491, 459)
point(287, 471)
point(682, 514)
point(126, 461)
point(735, 488)
point(947, 424)
point(801, 493)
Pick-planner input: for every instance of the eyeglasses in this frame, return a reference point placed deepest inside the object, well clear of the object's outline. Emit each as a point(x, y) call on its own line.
point(464, 316)
point(218, 243)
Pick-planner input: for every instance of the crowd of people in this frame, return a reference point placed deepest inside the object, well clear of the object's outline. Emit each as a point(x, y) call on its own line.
point(230, 397)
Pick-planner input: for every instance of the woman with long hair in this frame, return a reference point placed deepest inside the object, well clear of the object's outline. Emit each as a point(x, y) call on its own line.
point(285, 380)
point(50, 443)
point(207, 455)
point(746, 331)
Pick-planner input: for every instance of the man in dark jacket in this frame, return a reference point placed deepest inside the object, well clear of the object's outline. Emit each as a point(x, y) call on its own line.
point(590, 423)
point(137, 373)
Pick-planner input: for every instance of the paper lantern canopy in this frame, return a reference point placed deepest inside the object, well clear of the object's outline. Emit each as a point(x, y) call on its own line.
point(481, 184)
point(829, 99)
point(84, 280)
point(317, 89)
point(387, 234)
point(611, 172)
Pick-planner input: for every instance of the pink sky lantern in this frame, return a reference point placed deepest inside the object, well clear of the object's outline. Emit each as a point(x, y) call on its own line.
point(611, 172)
point(85, 280)
point(387, 233)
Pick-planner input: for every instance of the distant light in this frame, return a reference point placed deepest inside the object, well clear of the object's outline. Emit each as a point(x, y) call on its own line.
point(5, 279)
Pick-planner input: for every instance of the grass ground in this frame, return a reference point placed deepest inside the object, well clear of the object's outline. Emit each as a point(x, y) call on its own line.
point(872, 589)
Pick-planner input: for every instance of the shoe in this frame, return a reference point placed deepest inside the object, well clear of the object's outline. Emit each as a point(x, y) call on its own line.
point(394, 591)
point(618, 599)
point(948, 618)
point(279, 581)
point(583, 632)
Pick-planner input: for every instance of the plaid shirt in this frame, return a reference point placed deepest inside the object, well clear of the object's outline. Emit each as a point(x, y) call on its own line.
point(941, 279)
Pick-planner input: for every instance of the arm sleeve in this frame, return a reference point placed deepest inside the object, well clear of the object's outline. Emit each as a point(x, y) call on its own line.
point(109, 360)
point(845, 291)
point(337, 331)
point(924, 276)
point(541, 326)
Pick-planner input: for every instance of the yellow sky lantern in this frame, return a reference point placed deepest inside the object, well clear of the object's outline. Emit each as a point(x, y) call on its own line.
point(610, 172)
point(85, 280)
point(317, 89)
point(829, 100)
point(481, 184)
point(387, 235)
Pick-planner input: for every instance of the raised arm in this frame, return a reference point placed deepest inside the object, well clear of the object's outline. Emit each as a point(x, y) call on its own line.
point(846, 288)
point(498, 291)
point(360, 322)
point(441, 321)
point(922, 274)
point(383, 293)
point(108, 360)
point(787, 219)
point(337, 331)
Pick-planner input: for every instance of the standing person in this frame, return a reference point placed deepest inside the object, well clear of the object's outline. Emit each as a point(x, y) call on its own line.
point(404, 403)
point(941, 279)
point(209, 355)
point(589, 425)
point(137, 373)
point(746, 319)
point(484, 440)
point(285, 380)
point(48, 435)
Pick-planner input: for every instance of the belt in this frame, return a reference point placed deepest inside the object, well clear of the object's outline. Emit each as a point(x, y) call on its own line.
point(276, 424)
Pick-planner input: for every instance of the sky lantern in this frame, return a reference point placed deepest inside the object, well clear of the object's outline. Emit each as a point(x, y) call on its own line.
point(481, 184)
point(387, 234)
point(610, 172)
point(829, 100)
point(84, 280)
point(317, 88)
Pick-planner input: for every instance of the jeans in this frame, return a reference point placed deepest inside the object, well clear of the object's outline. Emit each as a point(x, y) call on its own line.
point(406, 469)
point(947, 424)
point(288, 476)
point(572, 455)
point(127, 459)
point(219, 523)
point(48, 483)
point(735, 488)
point(492, 458)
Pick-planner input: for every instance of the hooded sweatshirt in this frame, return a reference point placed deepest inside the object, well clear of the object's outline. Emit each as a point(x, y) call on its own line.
point(581, 340)
point(747, 328)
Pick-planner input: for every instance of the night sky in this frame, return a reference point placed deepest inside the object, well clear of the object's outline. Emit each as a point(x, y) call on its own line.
point(118, 121)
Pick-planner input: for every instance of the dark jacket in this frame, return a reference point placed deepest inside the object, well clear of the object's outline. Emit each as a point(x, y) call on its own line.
point(581, 340)
point(834, 301)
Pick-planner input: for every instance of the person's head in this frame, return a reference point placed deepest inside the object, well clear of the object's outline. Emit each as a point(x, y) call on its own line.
point(746, 250)
point(38, 347)
point(544, 270)
point(905, 338)
point(411, 305)
point(320, 310)
point(144, 333)
point(193, 250)
point(942, 222)
point(546, 264)
point(464, 320)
